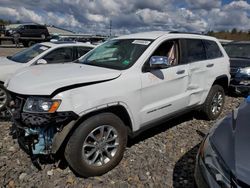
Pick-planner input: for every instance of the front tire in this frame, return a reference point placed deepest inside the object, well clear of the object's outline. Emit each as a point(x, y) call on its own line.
point(4, 97)
point(214, 103)
point(97, 145)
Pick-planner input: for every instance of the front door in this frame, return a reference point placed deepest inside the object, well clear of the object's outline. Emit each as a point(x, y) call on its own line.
point(164, 91)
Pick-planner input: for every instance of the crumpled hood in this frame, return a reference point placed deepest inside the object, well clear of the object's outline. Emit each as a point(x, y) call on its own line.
point(45, 79)
point(8, 67)
point(233, 144)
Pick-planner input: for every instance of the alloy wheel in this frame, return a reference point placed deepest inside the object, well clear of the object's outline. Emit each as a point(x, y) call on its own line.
point(217, 103)
point(101, 145)
point(3, 97)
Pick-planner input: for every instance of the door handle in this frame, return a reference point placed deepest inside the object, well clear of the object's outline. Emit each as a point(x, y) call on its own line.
point(210, 65)
point(180, 72)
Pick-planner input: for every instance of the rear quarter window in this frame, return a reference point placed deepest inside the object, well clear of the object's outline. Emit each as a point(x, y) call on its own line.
point(212, 49)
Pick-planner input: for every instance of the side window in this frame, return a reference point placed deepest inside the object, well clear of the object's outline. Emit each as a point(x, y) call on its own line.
point(33, 27)
point(212, 49)
point(60, 55)
point(40, 27)
point(82, 51)
point(168, 49)
point(195, 50)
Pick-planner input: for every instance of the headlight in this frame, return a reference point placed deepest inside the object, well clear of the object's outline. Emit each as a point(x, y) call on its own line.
point(41, 105)
point(245, 71)
point(215, 164)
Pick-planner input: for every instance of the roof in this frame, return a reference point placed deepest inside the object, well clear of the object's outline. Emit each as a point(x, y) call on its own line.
point(156, 34)
point(145, 35)
point(67, 43)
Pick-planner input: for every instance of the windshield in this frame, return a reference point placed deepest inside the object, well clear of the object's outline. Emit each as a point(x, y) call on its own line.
point(116, 54)
point(238, 50)
point(29, 53)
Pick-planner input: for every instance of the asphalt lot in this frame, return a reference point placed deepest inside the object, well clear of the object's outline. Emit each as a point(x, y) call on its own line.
point(7, 50)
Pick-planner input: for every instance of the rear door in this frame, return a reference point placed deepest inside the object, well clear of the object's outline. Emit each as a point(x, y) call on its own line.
point(198, 69)
point(164, 91)
point(215, 61)
point(31, 31)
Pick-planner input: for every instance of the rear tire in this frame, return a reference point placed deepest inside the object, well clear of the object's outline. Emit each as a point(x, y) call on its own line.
point(97, 145)
point(214, 103)
point(4, 97)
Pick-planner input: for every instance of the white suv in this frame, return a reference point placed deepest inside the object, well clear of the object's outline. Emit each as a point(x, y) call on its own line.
point(89, 108)
point(43, 53)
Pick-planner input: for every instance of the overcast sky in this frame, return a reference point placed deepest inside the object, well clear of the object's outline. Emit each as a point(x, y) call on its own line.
point(129, 16)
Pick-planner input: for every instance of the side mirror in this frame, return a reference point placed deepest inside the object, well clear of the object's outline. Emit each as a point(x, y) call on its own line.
point(159, 62)
point(41, 62)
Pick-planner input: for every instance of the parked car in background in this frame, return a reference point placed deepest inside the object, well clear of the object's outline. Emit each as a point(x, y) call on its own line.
point(120, 88)
point(224, 42)
point(239, 53)
point(31, 30)
point(43, 53)
point(2, 30)
point(224, 156)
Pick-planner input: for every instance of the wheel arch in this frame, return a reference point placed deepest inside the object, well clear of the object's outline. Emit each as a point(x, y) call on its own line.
point(119, 110)
point(222, 81)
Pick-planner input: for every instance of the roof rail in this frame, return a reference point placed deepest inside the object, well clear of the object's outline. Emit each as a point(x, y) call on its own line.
point(181, 32)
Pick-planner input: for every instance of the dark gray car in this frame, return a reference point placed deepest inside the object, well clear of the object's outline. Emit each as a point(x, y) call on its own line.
point(223, 159)
point(32, 30)
point(239, 53)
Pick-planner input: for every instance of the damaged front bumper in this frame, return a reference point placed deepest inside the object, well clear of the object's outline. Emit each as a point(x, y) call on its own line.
point(40, 133)
point(240, 85)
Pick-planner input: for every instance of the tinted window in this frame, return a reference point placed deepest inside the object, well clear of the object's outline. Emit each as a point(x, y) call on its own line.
point(195, 50)
point(60, 55)
point(40, 27)
point(82, 51)
point(29, 53)
point(26, 27)
point(212, 49)
point(33, 27)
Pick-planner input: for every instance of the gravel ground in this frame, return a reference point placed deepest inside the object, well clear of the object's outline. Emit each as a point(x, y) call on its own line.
point(163, 156)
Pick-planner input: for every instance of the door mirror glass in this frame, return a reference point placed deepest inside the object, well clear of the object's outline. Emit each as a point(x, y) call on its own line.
point(159, 62)
point(41, 62)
